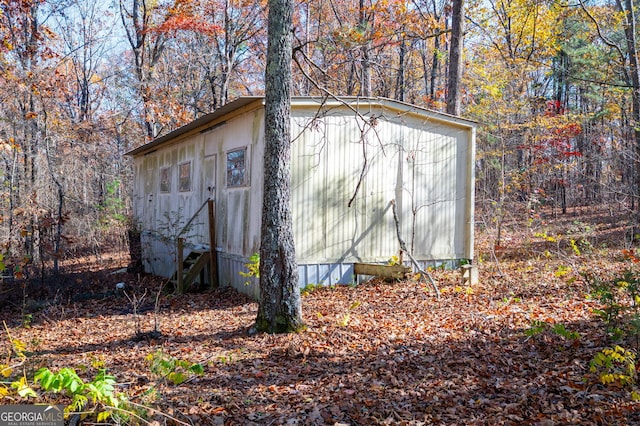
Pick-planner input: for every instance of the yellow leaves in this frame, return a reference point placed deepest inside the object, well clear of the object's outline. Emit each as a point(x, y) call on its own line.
point(546, 237)
point(523, 28)
point(622, 284)
point(95, 78)
point(616, 366)
point(344, 321)
point(22, 387)
point(562, 271)
point(103, 416)
point(466, 292)
point(346, 318)
point(5, 370)
point(493, 91)
point(609, 378)
point(99, 363)
point(393, 261)
point(19, 347)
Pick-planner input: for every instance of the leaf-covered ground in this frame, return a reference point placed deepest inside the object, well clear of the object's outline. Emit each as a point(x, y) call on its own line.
point(378, 353)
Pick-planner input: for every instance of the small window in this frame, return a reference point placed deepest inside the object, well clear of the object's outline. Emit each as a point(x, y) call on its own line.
point(165, 180)
point(236, 172)
point(185, 177)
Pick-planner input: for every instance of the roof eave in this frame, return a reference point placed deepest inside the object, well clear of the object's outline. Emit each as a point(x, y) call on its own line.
point(199, 124)
point(249, 102)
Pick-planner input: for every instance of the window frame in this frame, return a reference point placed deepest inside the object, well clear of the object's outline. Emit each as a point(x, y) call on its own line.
point(245, 169)
point(165, 180)
point(181, 178)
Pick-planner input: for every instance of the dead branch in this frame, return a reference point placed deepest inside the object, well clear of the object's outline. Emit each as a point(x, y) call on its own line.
point(403, 247)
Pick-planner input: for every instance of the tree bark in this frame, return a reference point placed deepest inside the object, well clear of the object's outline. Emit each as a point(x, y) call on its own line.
point(455, 58)
point(400, 76)
point(280, 309)
point(363, 24)
point(634, 71)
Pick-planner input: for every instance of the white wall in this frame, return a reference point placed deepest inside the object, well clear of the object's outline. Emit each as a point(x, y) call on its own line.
point(162, 215)
point(422, 163)
point(419, 163)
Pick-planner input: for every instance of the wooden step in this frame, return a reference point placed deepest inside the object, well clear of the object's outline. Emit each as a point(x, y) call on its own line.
point(193, 265)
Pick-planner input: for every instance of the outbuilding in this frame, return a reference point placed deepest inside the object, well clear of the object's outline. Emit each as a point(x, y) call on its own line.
point(354, 163)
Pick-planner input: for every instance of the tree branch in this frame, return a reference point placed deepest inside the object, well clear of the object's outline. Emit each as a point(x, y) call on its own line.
point(403, 247)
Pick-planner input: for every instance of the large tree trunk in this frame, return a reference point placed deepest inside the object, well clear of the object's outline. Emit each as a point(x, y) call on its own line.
point(279, 310)
point(634, 70)
point(455, 58)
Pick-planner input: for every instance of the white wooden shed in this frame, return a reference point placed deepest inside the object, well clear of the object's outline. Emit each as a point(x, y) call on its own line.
point(350, 160)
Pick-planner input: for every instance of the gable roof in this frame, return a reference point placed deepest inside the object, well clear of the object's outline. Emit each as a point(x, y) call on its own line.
point(248, 103)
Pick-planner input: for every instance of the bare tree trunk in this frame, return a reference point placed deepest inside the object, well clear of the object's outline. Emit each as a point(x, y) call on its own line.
point(632, 48)
point(280, 310)
point(365, 82)
point(455, 58)
point(434, 69)
point(400, 76)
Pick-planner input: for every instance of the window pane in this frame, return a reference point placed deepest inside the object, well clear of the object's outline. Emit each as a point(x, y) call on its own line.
point(165, 179)
point(185, 177)
point(236, 168)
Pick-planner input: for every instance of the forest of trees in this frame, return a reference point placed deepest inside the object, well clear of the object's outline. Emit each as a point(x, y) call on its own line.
point(555, 85)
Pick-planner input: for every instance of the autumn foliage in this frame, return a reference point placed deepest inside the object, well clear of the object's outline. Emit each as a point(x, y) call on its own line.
point(554, 87)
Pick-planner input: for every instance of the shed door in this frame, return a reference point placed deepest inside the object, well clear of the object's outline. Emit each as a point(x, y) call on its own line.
point(209, 187)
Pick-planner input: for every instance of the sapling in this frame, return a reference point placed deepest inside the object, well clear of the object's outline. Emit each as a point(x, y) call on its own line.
point(136, 302)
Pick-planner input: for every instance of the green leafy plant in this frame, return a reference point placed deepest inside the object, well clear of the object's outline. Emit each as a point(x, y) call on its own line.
point(619, 304)
point(26, 320)
point(309, 288)
point(562, 331)
point(100, 391)
point(171, 369)
point(574, 247)
point(615, 366)
point(253, 268)
point(224, 359)
point(539, 327)
point(562, 271)
point(505, 300)
point(97, 398)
